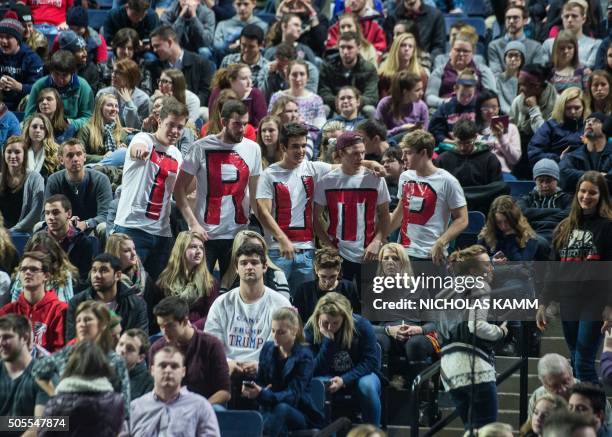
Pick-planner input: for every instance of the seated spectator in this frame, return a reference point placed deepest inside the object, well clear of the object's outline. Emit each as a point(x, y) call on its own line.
point(350, 22)
point(187, 276)
point(289, 30)
point(547, 204)
point(134, 276)
point(544, 407)
point(133, 102)
point(285, 401)
point(50, 18)
point(32, 37)
point(563, 131)
point(41, 146)
point(595, 154)
point(441, 84)
point(213, 125)
point(63, 276)
point(193, 22)
point(349, 69)
point(403, 56)
point(310, 104)
point(238, 78)
point(277, 77)
point(473, 164)
point(207, 370)
point(9, 259)
point(405, 332)
point(403, 109)
point(198, 71)
point(133, 347)
point(88, 191)
point(344, 348)
point(108, 288)
point(267, 138)
point(574, 15)
point(374, 137)
point(251, 43)
point(515, 20)
point(78, 21)
point(599, 92)
point(567, 423)
point(348, 105)
point(20, 67)
point(467, 31)
point(503, 140)
point(75, 92)
point(327, 268)
point(172, 83)
point(286, 109)
point(103, 136)
point(461, 106)
point(44, 310)
point(507, 80)
point(274, 277)
point(329, 135)
point(93, 321)
point(135, 14)
point(9, 124)
point(590, 400)
point(60, 225)
point(27, 398)
point(21, 190)
point(168, 399)
point(242, 317)
point(227, 32)
point(315, 23)
point(75, 44)
point(85, 393)
point(566, 68)
point(455, 362)
point(50, 104)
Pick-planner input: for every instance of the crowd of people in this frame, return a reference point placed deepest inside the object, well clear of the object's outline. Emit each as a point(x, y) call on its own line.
point(197, 190)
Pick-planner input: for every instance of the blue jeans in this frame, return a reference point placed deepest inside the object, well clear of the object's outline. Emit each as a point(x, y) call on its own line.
point(46, 29)
point(115, 159)
point(508, 177)
point(297, 270)
point(367, 392)
point(484, 404)
point(281, 419)
point(583, 340)
point(153, 250)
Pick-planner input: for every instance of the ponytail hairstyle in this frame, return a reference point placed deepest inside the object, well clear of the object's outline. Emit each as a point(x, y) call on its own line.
point(291, 316)
point(463, 262)
point(334, 304)
point(224, 76)
point(214, 122)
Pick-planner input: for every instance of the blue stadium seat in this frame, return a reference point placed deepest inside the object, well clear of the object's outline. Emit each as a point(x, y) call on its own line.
point(96, 17)
point(236, 423)
point(105, 4)
point(477, 22)
point(476, 8)
point(19, 115)
point(469, 236)
point(518, 188)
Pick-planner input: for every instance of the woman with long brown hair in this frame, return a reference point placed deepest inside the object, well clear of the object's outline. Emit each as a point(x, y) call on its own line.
point(51, 104)
point(213, 126)
point(585, 236)
point(172, 83)
point(267, 138)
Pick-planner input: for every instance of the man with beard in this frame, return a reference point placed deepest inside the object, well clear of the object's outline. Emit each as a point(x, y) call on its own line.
point(596, 154)
point(20, 394)
point(151, 166)
point(171, 409)
point(107, 287)
point(227, 168)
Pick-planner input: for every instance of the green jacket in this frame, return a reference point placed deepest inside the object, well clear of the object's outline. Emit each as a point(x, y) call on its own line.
point(84, 135)
point(78, 99)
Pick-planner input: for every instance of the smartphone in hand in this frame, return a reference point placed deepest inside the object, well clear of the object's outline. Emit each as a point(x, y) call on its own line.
point(503, 119)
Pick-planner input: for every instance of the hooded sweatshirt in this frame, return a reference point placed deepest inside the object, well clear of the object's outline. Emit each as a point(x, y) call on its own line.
point(479, 167)
point(447, 114)
point(552, 138)
point(26, 67)
point(47, 317)
point(528, 120)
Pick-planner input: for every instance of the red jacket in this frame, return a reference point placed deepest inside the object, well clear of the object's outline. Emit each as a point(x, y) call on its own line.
point(371, 31)
point(47, 317)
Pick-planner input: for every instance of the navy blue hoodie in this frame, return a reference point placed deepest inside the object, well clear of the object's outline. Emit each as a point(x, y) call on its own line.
point(26, 67)
point(447, 114)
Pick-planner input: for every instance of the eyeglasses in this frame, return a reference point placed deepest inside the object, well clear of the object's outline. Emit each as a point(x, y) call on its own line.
point(24, 269)
point(462, 51)
point(489, 108)
point(164, 82)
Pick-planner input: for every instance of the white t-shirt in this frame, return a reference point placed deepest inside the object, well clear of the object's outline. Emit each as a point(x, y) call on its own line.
point(223, 172)
point(147, 187)
point(243, 328)
point(292, 192)
point(352, 203)
point(427, 203)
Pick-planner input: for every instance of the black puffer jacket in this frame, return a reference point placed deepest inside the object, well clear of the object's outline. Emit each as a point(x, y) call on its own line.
point(91, 405)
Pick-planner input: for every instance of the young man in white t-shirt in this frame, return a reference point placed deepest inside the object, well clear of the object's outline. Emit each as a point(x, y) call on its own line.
point(428, 197)
point(242, 317)
point(358, 204)
point(149, 173)
point(227, 167)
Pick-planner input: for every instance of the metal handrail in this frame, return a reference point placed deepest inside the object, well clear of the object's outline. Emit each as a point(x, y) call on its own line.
point(522, 365)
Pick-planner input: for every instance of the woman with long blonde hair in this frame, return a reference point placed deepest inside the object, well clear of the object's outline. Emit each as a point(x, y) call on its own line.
point(187, 275)
point(403, 56)
point(40, 144)
point(103, 133)
point(274, 277)
point(134, 275)
point(581, 239)
point(344, 346)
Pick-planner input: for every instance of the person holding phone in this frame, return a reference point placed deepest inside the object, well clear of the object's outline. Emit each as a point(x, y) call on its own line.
point(282, 386)
point(497, 132)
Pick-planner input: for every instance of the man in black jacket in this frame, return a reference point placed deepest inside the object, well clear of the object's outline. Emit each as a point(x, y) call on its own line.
point(135, 14)
point(107, 287)
point(133, 347)
point(198, 71)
